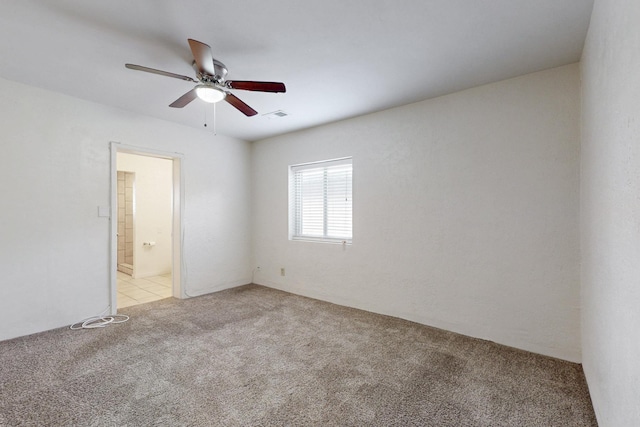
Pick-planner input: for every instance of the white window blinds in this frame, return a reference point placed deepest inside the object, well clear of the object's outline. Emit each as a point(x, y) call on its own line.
point(320, 200)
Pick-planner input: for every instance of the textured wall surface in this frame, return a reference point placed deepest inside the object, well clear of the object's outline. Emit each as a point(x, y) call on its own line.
point(55, 172)
point(465, 213)
point(610, 211)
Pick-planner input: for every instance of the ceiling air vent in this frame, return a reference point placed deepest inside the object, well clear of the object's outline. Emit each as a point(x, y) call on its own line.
point(276, 114)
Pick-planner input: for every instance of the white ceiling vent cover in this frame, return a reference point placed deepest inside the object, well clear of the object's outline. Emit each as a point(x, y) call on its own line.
point(276, 114)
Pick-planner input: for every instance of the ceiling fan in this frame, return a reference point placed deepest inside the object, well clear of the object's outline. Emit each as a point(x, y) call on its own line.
point(212, 85)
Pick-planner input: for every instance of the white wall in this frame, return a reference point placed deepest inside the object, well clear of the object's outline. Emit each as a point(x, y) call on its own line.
point(465, 213)
point(153, 212)
point(610, 211)
point(55, 172)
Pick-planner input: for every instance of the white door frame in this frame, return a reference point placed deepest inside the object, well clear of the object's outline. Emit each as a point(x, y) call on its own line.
point(176, 226)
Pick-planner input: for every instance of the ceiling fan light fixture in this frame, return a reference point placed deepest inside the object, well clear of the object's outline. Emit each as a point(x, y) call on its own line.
point(210, 94)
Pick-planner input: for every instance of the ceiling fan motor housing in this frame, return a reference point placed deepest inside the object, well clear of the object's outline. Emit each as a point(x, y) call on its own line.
point(219, 67)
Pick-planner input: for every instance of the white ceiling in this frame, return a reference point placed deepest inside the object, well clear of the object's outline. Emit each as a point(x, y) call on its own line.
point(338, 58)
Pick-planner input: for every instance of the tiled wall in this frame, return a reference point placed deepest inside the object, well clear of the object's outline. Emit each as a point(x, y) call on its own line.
point(126, 182)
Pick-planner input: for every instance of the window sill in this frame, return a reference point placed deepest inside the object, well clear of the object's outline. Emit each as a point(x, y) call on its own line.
point(321, 240)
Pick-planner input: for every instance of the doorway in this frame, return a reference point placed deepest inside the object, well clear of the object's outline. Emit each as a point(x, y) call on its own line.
point(146, 231)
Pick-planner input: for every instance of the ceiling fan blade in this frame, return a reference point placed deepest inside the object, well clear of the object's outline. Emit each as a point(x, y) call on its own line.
point(202, 56)
point(160, 72)
point(257, 86)
point(240, 105)
point(184, 99)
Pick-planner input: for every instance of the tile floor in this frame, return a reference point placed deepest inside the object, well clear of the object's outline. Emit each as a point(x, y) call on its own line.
point(139, 291)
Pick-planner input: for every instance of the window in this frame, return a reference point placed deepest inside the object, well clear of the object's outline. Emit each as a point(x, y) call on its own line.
point(320, 201)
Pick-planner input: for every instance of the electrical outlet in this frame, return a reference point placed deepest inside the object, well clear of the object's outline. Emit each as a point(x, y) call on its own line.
point(282, 271)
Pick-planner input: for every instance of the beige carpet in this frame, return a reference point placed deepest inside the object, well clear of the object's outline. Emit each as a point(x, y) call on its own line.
point(253, 356)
